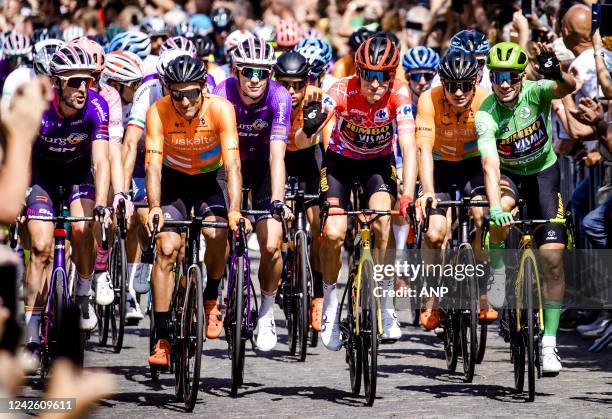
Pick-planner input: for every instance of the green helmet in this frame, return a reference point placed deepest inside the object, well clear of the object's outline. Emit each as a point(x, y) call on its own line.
point(507, 56)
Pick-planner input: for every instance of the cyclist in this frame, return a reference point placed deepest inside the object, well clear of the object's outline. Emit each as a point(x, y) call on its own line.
point(448, 155)
point(345, 66)
point(288, 35)
point(263, 109)
point(124, 72)
point(73, 136)
point(191, 152)
point(16, 51)
point(361, 147)
point(303, 160)
point(204, 49)
point(155, 28)
point(515, 142)
point(319, 56)
point(223, 22)
point(224, 71)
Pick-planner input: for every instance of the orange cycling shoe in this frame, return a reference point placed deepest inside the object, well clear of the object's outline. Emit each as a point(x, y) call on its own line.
point(316, 311)
point(161, 354)
point(214, 320)
point(430, 318)
point(487, 314)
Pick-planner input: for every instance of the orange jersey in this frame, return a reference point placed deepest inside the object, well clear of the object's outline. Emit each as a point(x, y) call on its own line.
point(196, 146)
point(344, 67)
point(452, 135)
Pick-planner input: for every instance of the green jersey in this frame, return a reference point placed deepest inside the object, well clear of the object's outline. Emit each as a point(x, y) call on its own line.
point(522, 135)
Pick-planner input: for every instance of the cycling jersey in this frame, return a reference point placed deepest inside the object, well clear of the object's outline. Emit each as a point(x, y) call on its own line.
point(115, 113)
point(19, 76)
point(363, 130)
point(344, 67)
point(220, 73)
point(262, 122)
point(452, 135)
point(66, 140)
point(195, 146)
point(522, 135)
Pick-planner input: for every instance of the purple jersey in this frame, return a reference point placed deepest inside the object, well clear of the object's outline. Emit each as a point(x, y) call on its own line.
point(69, 139)
point(260, 123)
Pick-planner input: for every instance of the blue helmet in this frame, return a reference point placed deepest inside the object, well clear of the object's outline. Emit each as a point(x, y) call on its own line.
point(133, 41)
point(420, 57)
point(317, 52)
point(470, 41)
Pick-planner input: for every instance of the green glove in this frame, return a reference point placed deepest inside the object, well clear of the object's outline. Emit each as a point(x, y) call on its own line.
point(498, 216)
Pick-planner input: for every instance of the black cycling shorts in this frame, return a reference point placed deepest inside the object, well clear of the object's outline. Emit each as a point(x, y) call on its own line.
point(338, 173)
point(305, 165)
point(256, 177)
point(206, 193)
point(450, 176)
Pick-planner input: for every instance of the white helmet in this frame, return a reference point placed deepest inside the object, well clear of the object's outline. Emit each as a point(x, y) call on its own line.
point(253, 51)
point(236, 38)
point(167, 56)
point(179, 42)
point(123, 66)
point(72, 32)
point(134, 41)
point(70, 58)
point(16, 44)
point(43, 52)
point(153, 25)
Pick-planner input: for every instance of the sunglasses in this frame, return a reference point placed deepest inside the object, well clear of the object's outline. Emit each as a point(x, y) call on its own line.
point(261, 73)
point(453, 86)
point(417, 75)
point(192, 95)
point(76, 82)
point(511, 77)
point(381, 76)
point(132, 85)
point(296, 85)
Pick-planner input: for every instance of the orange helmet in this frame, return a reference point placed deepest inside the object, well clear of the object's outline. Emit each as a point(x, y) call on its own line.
point(377, 53)
point(94, 49)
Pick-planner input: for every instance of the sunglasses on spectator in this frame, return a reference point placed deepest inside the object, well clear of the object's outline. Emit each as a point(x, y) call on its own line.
point(192, 95)
point(511, 77)
point(78, 81)
point(417, 75)
point(381, 76)
point(261, 73)
point(295, 84)
point(453, 86)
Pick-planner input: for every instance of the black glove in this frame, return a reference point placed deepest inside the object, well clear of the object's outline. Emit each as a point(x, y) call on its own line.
point(313, 118)
point(100, 212)
point(277, 207)
point(550, 67)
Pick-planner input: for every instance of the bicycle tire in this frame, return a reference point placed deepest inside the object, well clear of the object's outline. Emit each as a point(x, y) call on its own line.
point(482, 343)
point(353, 342)
point(289, 307)
point(528, 283)
point(469, 317)
point(175, 330)
point(118, 280)
point(238, 308)
point(103, 324)
point(301, 298)
point(369, 333)
point(193, 325)
point(517, 353)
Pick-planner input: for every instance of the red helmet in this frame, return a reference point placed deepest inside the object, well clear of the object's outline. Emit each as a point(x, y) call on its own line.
point(94, 49)
point(377, 53)
point(288, 33)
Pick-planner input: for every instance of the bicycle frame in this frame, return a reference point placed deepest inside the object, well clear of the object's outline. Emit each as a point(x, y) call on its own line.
point(365, 236)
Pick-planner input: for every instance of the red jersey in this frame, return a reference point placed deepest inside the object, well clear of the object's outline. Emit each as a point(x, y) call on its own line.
point(363, 130)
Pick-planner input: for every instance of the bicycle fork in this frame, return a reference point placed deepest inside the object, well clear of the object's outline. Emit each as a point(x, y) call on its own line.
point(366, 254)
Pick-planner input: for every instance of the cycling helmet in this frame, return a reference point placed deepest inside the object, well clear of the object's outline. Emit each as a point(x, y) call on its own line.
point(179, 42)
point(264, 31)
point(291, 64)
point(312, 33)
point(390, 35)
point(507, 56)
point(137, 42)
point(123, 66)
point(236, 38)
point(153, 26)
point(185, 29)
point(204, 45)
point(201, 23)
point(185, 69)
point(72, 32)
point(253, 51)
point(288, 33)
point(222, 19)
point(458, 65)
point(359, 37)
point(378, 54)
point(166, 57)
point(71, 58)
point(94, 49)
point(318, 53)
point(43, 51)
point(16, 44)
point(111, 32)
point(420, 58)
point(470, 41)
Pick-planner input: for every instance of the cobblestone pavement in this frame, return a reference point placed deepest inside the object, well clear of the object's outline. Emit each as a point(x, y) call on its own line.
point(412, 382)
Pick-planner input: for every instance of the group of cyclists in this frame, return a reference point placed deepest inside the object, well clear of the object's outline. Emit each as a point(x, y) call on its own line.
point(179, 122)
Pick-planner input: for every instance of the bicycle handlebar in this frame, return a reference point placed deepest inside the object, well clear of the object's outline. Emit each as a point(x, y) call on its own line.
point(276, 211)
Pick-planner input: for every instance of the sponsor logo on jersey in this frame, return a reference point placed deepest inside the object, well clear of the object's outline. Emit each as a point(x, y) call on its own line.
point(403, 91)
point(76, 137)
point(281, 113)
point(260, 124)
point(190, 142)
point(381, 115)
point(103, 115)
point(524, 112)
point(357, 111)
point(528, 141)
point(367, 138)
point(404, 112)
point(328, 103)
point(481, 128)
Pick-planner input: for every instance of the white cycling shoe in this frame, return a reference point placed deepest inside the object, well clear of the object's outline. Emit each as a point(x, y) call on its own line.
point(330, 330)
point(132, 311)
point(496, 288)
point(88, 320)
point(391, 326)
point(104, 292)
point(266, 334)
point(551, 362)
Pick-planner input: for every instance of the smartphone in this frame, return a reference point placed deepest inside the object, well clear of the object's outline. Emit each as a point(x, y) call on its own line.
point(605, 19)
point(8, 292)
point(526, 7)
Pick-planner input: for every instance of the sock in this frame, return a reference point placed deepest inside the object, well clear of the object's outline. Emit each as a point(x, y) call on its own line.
point(317, 284)
point(330, 297)
point(32, 321)
point(552, 314)
point(497, 256)
point(400, 231)
point(131, 271)
point(102, 259)
point(161, 324)
point(211, 292)
point(83, 285)
point(387, 302)
point(267, 306)
point(549, 341)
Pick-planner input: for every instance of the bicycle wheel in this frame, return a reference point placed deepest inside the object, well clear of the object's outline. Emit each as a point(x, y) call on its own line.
point(517, 352)
point(353, 342)
point(235, 320)
point(103, 324)
point(118, 273)
point(289, 292)
point(193, 324)
point(530, 347)
point(470, 301)
point(369, 332)
point(482, 343)
point(300, 299)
